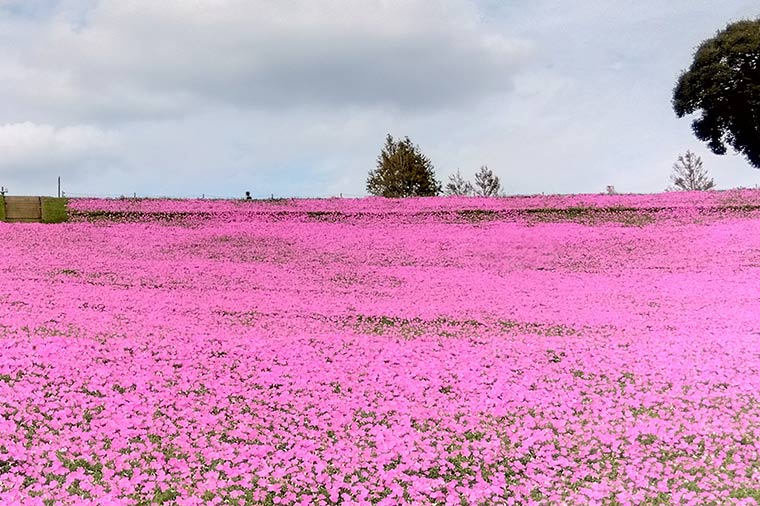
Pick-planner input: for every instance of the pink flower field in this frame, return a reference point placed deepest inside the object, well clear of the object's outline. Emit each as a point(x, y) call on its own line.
point(570, 350)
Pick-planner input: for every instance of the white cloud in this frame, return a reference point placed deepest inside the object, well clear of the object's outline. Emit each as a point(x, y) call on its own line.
point(141, 58)
point(29, 149)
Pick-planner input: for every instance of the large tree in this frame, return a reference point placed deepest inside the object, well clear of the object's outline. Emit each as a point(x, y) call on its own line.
point(402, 171)
point(723, 83)
point(690, 175)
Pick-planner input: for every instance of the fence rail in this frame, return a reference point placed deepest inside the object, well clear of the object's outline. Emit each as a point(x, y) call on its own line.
point(23, 209)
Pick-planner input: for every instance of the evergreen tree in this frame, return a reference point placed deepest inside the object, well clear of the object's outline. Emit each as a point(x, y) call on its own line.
point(402, 171)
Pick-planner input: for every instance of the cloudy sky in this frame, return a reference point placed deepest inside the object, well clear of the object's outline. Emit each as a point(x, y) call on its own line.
point(295, 97)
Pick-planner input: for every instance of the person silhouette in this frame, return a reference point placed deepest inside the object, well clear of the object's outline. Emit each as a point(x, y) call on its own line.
point(248, 196)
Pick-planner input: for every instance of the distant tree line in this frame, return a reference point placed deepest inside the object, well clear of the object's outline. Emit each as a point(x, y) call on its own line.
point(403, 171)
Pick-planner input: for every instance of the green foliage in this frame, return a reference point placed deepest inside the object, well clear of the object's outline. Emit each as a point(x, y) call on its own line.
point(54, 210)
point(402, 171)
point(2, 208)
point(723, 83)
point(746, 493)
point(690, 175)
point(165, 496)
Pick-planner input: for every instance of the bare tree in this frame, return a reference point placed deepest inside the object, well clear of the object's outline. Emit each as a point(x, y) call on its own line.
point(690, 175)
point(487, 184)
point(458, 185)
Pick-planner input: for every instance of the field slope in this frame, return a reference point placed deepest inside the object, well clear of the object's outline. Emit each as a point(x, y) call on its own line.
point(530, 350)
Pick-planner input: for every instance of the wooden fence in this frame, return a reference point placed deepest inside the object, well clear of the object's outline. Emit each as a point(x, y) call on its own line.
point(23, 209)
point(33, 209)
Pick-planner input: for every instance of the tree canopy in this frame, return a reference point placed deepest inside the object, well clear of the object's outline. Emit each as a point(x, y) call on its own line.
point(402, 171)
point(723, 84)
